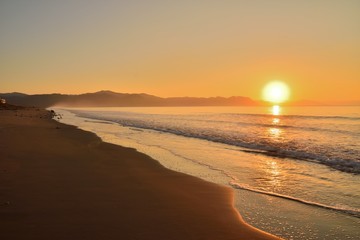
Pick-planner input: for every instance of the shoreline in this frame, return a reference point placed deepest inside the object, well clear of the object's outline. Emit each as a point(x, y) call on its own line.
point(62, 182)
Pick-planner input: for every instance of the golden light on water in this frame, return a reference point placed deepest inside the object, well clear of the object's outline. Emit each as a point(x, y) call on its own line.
point(275, 121)
point(276, 110)
point(274, 174)
point(275, 133)
point(276, 92)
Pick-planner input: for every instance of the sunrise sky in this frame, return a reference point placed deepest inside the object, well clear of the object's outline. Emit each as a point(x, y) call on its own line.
point(181, 48)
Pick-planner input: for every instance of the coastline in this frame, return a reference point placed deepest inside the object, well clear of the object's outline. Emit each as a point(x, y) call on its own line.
point(62, 182)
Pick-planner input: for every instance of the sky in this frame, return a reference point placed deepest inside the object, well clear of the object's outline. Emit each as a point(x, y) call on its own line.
point(181, 48)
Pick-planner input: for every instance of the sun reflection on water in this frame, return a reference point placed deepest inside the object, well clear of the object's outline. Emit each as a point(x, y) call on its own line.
point(275, 121)
point(274, 132)
point(273, 173)
point(273, 168)
point(273, 176)
point(276, 110)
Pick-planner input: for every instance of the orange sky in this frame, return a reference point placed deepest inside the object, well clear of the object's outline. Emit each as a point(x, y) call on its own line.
point(182, 48)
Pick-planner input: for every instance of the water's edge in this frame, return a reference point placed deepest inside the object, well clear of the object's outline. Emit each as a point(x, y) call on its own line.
point(261, 198)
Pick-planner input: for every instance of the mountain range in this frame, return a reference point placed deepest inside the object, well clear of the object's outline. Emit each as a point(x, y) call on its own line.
point(113, 99)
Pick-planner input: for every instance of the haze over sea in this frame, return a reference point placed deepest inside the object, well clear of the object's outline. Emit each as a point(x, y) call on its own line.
point(295, 173)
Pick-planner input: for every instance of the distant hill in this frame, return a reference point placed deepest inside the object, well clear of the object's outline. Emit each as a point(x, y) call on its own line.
point(113, 99)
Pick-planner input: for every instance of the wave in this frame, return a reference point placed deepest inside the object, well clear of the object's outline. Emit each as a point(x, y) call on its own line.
point(344, 165)
point(103, 122)
point(250, 122)
point(349, 211)
point(296, 116)
point(284, 126)
point(288, 150)
point(271, 125)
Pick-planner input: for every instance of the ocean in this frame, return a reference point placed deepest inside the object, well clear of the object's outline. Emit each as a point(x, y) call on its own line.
point(295, 171)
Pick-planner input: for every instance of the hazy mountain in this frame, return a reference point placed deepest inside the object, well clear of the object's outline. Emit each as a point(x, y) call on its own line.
point(112, 99)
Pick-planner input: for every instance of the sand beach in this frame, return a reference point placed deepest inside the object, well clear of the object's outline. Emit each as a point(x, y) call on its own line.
point(59, 182)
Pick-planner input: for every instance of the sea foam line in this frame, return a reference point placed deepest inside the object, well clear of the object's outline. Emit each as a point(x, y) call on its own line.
point(352, 212)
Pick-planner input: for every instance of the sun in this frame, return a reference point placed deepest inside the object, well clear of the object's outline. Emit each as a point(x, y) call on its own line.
point(276, 92)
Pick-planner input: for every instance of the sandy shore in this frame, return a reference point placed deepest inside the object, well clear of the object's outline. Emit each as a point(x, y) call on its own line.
point(59, 182)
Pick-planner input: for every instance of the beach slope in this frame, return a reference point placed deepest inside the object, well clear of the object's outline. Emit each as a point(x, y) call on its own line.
point(59, 182)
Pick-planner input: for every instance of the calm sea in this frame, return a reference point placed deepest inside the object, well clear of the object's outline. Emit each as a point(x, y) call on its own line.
point(295, 171)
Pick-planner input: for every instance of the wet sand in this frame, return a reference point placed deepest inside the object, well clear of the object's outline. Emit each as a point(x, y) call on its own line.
point(59, 182)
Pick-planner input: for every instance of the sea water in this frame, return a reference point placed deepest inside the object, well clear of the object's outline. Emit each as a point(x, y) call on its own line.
point(295, 171)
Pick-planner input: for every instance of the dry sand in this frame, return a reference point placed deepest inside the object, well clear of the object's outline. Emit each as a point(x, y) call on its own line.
point(59, 182)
